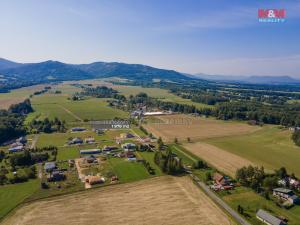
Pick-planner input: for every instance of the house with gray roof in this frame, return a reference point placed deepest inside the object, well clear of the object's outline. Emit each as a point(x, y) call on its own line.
point(268, 218)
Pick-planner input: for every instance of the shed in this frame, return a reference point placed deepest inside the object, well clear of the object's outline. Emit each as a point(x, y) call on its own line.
point(94, 180)
point(267, 218)
point(90, 151)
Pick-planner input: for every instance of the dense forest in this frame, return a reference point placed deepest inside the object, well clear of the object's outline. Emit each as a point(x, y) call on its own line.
point(11, 121)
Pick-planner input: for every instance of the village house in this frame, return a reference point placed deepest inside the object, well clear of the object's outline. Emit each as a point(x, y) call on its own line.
point(17, 148)
point(89, 140)
point(269, 219)
point(126, 135)
point(129, 147)
point(49, 166)
point(222, 182)
point(109, 148)
point(94, 180)
point(56, 176)
point(90, 159)
point(286, 194)
point(75, 141)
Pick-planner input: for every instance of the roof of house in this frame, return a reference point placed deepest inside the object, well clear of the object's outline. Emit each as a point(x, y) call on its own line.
point(19, 147)
point(268, 217)
point(218, 176)
point(283, 190)
point(294, 197)
point(50, 165)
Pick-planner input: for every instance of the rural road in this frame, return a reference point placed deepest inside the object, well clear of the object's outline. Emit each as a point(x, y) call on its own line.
point(219, 201)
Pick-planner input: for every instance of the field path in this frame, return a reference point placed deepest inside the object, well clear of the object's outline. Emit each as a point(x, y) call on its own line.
point(71, 113)
point(218, 158)
point(34, 141)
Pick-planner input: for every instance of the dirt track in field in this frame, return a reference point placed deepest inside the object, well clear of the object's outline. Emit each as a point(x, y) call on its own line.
point(183, 126)
point(219, 158)
point(160, 201)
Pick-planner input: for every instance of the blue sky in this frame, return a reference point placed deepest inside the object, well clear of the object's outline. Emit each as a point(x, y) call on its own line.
point(193, 36)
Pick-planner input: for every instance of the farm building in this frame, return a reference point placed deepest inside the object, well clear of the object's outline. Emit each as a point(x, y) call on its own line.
point(78, 129)
point(89, 140)
point(129, 146)
point(267, 218)
point(17, 148)
point(286, 194)
point(49, 166)
point(126, 135)
point(94, 180)
point(90, 151)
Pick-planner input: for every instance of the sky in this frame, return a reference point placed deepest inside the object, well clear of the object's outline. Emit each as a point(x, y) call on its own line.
point(192, 36)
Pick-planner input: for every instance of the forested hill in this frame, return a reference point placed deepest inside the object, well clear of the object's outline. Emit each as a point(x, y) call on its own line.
point(15, 75)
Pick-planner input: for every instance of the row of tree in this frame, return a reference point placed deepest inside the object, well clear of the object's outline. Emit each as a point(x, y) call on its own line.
point(168, 162)
point(47, 126)
point(296, 137)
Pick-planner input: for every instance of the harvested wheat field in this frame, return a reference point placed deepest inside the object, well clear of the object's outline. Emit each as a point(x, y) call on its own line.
point(183, 126)
point(163, 200)
point(218, 158)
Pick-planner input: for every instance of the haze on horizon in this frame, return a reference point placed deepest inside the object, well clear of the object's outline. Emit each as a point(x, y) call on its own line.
point(194, 36)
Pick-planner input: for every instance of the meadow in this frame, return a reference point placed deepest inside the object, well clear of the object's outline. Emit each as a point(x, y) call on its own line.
point(13, 195)
point(270, 147)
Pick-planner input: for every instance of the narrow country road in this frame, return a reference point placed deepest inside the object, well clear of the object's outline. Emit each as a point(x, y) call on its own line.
point(219, 201)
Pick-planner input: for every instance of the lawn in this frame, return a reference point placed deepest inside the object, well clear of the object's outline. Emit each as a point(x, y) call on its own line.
point(128, 171)
point(13, 195)
point(251, 202)
point(270, 147)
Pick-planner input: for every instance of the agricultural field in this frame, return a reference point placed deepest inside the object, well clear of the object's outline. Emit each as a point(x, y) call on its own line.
point(224, 161)
point(196, 128)
point(53, 105)
point(17, 95)
point(153, 201)
point(270, 147)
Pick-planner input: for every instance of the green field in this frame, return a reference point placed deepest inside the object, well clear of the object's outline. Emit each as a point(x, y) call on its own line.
point(128, 171)
point(13, 195)
point(149, 157)
point(270, 147)
point(53, 105)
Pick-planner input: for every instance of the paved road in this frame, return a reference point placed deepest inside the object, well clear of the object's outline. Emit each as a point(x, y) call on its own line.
point(219, 201)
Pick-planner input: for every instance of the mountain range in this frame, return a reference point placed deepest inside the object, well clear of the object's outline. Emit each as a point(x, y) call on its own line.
point(13, 74)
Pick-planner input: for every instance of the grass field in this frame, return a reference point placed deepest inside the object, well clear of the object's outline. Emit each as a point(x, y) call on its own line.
point(183, 126)
point(13, 195)
point(51, 106)
point(128, 171)
point(162, 200)
point(270, 147)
